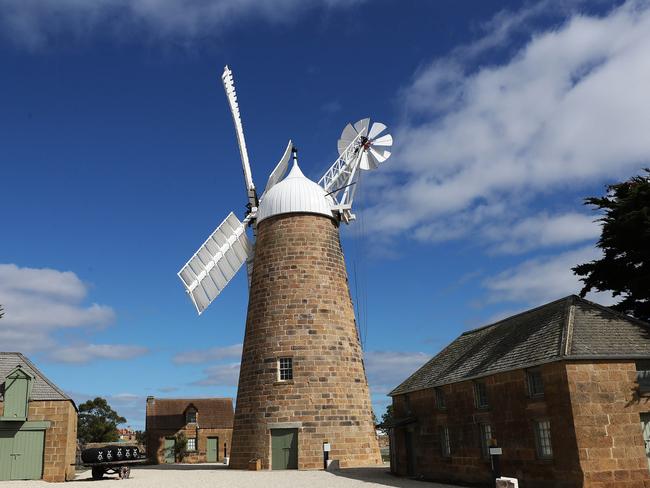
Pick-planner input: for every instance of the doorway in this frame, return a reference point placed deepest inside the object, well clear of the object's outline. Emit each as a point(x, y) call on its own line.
point(169, 450)
point(212, 452)
point(284, 448)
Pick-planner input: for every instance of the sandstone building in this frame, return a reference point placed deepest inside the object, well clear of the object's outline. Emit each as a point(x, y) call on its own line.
point(206, 423)
point(302, 383)
point(562, 389)
point(38, 424)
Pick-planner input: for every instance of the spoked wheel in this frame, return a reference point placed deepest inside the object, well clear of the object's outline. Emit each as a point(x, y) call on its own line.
point(98, 473)
point(124, 473)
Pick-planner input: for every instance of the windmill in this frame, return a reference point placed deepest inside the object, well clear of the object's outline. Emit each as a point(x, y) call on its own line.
point(298, 293)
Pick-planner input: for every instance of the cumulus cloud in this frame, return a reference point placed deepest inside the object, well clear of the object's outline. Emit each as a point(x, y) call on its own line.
point(206, 355)
point(485, 142)
point(36, 23)
point(84, 353)
point(39, 302)
point(543, 279)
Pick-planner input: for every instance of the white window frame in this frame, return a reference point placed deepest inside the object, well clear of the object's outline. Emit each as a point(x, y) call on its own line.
point(543, 443)
point(283, 368)
point(191, 444)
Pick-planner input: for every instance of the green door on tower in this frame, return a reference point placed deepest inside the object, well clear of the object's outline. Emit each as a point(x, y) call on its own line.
point(284, 448)
point(212, 453)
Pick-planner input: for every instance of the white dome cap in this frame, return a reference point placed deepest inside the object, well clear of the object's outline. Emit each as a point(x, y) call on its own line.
point(294, 194)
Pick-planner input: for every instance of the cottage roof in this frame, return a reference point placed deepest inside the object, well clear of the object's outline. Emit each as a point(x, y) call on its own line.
point(42, 388)
point(169, 413)
point(569, 328)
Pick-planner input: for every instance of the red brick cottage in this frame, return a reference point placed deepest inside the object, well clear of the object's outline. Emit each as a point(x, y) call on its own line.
point(38, 424)
point(206, 423)
point(563, 390)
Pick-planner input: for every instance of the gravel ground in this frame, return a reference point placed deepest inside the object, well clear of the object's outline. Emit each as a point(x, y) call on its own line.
point(216, 476)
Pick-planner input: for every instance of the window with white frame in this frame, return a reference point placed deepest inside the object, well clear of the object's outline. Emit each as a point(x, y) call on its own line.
point(543, 439)
point(535, 383)
point(445, 443)
point(191, 444)
point(486, 438)
point(480, 395)
point(285, 369)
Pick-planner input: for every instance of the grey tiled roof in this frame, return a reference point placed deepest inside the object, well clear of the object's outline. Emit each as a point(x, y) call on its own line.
point(42, 389)
point(571, 327)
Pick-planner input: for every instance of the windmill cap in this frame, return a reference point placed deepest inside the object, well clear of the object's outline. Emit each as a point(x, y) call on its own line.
point(295, 194)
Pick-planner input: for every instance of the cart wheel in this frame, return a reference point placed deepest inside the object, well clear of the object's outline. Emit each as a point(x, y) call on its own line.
point(98, 473)
point(124, 472)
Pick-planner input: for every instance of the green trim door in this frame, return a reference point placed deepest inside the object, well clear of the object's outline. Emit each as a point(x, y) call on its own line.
point(170, 455)
point(284, 448)
point(212, 452)
point(21, 454)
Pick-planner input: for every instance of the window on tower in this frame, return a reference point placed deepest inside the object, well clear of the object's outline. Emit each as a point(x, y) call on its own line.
point(285, 369)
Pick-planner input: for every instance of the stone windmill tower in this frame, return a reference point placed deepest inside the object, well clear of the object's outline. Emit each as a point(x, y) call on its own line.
point(302, 385)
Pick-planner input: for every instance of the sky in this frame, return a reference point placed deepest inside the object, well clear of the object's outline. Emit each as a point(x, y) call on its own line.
point(118, 158)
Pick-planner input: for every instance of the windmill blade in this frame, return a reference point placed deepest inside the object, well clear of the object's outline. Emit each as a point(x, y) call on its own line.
point(376, 129)
point(280, 169)
point(216, 262)
point(365, 163)
point(231, 94)
point(362, 126)
point(385, 140)
point(379, 155)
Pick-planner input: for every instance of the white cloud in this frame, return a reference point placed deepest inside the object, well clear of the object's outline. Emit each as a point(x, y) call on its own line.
point(481, 143)
point(36, 23)
point(544, 279)
point(220, 375)
point(206, 355)
point(84, 353)
point(40, 301)
point(387, 369)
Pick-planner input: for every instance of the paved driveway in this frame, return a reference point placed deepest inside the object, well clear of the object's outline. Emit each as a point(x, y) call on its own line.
point(215, 476)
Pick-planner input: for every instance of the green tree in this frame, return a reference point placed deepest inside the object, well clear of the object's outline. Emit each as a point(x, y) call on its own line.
point(180, 447)
point(624, 268)
point(98, 422)
point(386, 418)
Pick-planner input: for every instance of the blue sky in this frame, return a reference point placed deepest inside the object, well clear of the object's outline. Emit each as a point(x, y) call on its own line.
point(118, 158)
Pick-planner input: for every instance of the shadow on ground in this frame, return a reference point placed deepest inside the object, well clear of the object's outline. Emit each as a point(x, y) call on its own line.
point(382, 476)
point(186, 467)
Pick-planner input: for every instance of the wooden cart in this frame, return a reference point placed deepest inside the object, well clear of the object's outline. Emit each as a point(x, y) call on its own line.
point(121, 468)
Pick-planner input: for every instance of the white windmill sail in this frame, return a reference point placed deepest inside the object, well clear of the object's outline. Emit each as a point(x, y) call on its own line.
point(280, 169)
point(216, 262)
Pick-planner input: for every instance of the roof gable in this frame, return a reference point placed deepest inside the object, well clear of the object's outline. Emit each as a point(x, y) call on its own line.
point(565, 328)
point(42, 388)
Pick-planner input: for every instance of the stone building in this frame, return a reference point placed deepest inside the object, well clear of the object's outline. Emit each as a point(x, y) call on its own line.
point(562, 389)
point(38, 424)
point(206, 423)
point(302, 382)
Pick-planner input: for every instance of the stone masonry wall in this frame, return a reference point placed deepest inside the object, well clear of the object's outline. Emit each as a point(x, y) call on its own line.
point(606, 407)
point(511, 414)
point(300, 307)
point(60, 438)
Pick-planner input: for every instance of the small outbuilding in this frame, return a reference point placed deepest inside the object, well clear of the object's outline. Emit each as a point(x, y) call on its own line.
point(38, 424)
point(559, 395)
point(206, 424)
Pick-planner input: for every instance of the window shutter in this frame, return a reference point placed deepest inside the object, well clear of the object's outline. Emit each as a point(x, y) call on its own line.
point(16, 395)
